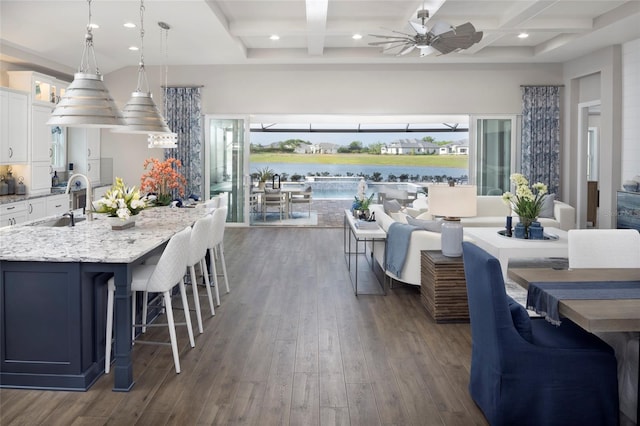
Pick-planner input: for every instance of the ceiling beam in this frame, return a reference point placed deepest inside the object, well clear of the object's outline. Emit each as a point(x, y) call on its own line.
point(316, 25)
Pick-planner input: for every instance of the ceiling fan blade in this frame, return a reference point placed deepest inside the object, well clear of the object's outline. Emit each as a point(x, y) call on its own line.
point(466, 28)
point(440, 27)
point(407, 49)
point(461, 37)
point(390, 40)
point(419, 28)
point(393, 46)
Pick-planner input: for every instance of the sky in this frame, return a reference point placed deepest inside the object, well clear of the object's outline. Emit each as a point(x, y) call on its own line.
point(266, 138)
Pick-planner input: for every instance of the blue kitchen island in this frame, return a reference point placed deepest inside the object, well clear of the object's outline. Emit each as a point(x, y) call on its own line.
point(53, 296)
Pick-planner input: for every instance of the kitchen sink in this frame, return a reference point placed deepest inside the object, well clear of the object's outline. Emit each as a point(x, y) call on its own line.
point(59, 222)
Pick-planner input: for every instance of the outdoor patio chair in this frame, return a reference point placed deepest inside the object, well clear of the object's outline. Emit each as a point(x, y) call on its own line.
point(301, 198)
point(274, 199)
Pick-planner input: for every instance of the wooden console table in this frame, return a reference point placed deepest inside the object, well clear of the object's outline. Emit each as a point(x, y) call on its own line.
point(443, 287)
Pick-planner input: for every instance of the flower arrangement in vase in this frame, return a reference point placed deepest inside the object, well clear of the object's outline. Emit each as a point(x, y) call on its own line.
point(162, 179)
point(360, 206)
point(121, 201)
point(527, 201)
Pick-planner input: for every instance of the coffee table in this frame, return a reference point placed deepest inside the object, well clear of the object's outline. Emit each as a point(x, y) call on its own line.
point(505, 248)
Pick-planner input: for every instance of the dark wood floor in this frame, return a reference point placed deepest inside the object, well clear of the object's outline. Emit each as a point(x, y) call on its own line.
point(290, 345)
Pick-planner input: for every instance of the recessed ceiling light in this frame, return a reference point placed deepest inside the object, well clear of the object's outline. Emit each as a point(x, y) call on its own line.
point(129, 25)
point(274, 37)
point(356, 36)
point(134, 48)
point(523, 35)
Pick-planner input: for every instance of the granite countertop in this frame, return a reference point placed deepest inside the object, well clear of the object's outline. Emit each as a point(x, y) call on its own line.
point(95, 241)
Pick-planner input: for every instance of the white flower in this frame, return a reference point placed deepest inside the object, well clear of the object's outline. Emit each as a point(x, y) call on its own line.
point(362, 189)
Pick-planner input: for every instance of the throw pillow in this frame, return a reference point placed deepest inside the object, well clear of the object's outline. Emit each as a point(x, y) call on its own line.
point(425, 216)
point(521, 320)
point(399, 217)
point(547, 206)
point(391, 206)
point(427, 225)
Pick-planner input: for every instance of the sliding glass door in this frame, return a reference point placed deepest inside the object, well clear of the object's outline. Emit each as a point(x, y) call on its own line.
point(226, 142)
point(494, 159)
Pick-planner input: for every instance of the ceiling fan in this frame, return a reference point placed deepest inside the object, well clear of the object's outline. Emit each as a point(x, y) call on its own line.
point(441, 37)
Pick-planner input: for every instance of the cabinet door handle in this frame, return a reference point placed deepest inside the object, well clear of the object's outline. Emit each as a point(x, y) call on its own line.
point(50, 153)
point(50, 169)
point(30, 208)
point(89, 167)
point(10, 152)
point(11, 208)
point(58, 205)
point(88, 152)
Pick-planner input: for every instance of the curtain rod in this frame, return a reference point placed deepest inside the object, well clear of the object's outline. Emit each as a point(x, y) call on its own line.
point(542, 85)
point(184, 87)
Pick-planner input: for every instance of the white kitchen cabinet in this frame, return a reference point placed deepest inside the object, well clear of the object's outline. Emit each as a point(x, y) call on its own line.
point(36, 208)
point(14, 127)
point(58, 204)
point(41, 133)
point(13, 213)
point(41, 150)
point(84, 152)
point(40, 173)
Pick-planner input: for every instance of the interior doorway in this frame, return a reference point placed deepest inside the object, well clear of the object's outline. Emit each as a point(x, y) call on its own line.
point(588, 164)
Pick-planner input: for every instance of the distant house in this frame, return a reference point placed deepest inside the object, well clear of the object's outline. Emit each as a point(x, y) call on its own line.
point(409, 146)
point(324, 148)
point(460, 147)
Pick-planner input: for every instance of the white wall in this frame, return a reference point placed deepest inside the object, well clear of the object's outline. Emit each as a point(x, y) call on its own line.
point(579, 77)
point(331, 89)
point(631, 110)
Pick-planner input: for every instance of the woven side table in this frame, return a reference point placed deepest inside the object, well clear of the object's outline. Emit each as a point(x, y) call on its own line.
point(443, 287)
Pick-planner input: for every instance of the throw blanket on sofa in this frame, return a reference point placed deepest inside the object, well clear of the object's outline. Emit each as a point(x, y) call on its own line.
point(398, 237)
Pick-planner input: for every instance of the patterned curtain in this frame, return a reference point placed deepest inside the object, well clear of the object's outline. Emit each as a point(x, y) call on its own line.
point(182, 112)
point(541, 135)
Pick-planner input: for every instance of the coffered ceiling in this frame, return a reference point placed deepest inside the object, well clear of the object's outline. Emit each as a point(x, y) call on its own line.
point(51, 32)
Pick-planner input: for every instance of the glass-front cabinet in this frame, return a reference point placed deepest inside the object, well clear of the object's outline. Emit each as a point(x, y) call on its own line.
point(44, 89)
point(48, 150)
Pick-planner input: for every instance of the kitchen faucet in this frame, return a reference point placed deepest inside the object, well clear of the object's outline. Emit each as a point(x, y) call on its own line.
point(89, 197)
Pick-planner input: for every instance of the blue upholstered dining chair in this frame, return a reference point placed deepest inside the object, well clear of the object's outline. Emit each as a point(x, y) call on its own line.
point(527, 371)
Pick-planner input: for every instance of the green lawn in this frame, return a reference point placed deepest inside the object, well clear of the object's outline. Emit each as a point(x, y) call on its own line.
point(456, 161)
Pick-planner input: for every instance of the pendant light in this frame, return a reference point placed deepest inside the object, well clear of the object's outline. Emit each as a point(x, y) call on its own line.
point(164, 140)
point(86, 102)
point(141, 115)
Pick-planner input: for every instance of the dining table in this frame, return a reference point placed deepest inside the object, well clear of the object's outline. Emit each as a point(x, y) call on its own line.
point(602, 300)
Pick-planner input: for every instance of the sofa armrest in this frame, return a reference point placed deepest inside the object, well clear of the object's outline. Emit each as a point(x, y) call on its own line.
point(565, 215)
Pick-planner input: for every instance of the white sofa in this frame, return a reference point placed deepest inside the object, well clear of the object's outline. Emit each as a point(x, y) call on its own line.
point(491, 212)
point(420, 240)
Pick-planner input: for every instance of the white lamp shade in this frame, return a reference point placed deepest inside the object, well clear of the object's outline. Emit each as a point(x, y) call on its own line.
point(452, 201)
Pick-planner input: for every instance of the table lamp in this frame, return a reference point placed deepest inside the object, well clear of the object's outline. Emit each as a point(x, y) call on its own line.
point(452, 202)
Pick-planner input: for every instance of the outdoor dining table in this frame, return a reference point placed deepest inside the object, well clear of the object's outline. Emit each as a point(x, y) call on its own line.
point(590, 308)
point(288, 190)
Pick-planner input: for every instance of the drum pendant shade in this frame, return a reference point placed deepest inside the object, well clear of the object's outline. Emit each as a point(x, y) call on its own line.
point(141, 115)
point(86, 103)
